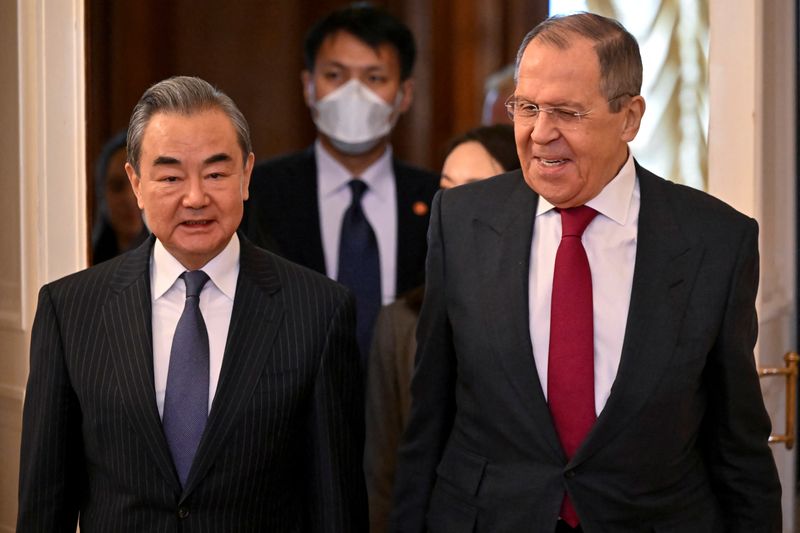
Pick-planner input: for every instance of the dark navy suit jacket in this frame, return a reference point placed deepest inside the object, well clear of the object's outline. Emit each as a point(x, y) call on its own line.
point(681, 444)
point(282, 214)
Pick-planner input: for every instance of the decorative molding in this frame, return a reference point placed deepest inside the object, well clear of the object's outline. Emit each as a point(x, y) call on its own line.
point(12, 400)
point(776, 309)
point(52, 143)
point(10, 305)
point(15, 394)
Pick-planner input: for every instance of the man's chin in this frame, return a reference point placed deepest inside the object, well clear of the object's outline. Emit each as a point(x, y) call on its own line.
point(557, 192)
point(193, 253)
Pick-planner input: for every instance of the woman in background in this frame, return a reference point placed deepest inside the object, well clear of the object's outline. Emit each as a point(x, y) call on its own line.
point(118, 226)
point(475, 155)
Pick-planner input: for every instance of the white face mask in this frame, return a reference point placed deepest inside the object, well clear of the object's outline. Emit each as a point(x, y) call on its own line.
point(354, 118)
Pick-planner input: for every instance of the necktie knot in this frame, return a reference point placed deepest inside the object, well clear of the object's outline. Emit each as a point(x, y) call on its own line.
point(358, 188)
point(574, 220)
point(195, 280)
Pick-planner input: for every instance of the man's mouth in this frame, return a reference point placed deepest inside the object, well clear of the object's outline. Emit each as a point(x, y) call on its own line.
point(196, 222)
point(551, 162)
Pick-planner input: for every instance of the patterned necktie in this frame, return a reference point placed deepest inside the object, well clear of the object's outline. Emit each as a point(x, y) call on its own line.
point(186, 398)
point(359, 266)
point(570, 371)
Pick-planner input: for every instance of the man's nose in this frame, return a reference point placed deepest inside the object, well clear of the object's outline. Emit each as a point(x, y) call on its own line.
point(545, 129)
point(195, 196)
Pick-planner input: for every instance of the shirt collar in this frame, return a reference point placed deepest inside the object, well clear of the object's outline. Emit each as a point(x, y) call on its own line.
point(223, 269)
point(332, 176)
point(614, 200)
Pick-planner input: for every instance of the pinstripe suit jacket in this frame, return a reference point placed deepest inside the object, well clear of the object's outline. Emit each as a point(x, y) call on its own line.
point(283, 444)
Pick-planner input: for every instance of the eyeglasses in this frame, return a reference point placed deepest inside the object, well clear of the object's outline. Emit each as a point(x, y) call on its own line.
point(525, 112)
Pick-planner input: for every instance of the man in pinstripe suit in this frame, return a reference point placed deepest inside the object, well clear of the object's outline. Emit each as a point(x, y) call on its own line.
point(281, 447)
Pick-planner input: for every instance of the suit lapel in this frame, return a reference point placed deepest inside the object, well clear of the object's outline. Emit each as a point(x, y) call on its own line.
point(127, 317)
point(667, 262)
point(503, 234)
point(254, 323)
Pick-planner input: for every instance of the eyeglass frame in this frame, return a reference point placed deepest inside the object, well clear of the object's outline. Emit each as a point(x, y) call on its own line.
point(510, 102)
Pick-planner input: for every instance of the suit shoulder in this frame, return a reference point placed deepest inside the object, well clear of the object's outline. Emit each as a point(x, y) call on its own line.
point(416, 181)
point(295, 277)
point(693, 205)
point(283, 161)
point(282, 169)
point(92, 280)
point(410, 172)
point(484, 194)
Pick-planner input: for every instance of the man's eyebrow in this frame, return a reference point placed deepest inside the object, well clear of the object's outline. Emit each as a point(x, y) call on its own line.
point(332, 63)
point(217, 158)
point(165, 160)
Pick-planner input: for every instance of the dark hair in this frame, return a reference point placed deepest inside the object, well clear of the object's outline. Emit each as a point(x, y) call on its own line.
point(112, 146)
point(368, 23)
point(617, 50)
point(115, 144)
point(498, 140)
point(184, 95)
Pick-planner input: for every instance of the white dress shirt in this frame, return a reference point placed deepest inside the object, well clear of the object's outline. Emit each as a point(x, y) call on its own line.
point(610, 243)
point(168, 292)
point(379, 204)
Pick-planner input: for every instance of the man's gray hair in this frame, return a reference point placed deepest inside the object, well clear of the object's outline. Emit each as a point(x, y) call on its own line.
point(617, 50)
point(184, 95)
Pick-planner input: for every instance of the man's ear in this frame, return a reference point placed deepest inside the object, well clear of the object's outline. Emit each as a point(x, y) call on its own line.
point(248, 170)
point(306, 78)
point(634, 110)
point(407, 87)
point(136, 184)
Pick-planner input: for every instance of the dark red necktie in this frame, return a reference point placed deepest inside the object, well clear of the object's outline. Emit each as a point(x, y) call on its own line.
point(570, 370)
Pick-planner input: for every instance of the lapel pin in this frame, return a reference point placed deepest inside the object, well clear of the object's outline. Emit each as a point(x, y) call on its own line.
point(420, 209)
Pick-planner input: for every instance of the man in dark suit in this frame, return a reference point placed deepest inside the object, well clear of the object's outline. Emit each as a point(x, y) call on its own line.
point(197, 383)
point(586, 341)
point(357, 82)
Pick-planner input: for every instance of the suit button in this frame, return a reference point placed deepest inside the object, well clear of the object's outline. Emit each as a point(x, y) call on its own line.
point(569, 474)
point(183, 512)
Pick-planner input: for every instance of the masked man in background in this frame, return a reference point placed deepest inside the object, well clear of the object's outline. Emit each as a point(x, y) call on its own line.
point(345, 206)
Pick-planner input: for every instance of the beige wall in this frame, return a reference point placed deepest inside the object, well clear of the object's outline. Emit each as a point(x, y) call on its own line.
point(13, 337)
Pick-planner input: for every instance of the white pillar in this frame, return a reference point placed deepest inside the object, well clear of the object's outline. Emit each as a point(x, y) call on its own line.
point(43, 229)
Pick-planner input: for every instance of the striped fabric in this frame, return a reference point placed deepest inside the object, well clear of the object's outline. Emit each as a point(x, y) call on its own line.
point(283, 443)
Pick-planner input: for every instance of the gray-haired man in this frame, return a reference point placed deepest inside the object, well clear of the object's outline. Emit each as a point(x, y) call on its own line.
point(196, 383)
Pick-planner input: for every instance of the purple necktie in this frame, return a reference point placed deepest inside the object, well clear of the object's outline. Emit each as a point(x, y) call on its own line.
point(186, 398)
point(570, 370)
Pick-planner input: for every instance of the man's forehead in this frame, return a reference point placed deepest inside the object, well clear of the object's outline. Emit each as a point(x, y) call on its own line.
point(559, 76)
point(204, 132)
point(543, 58)
point(349, 50)
point(571, 44)
point(175, 126)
